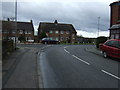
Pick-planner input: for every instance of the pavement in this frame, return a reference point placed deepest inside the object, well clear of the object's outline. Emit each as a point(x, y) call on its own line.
point(94, 50)
point(21, 69)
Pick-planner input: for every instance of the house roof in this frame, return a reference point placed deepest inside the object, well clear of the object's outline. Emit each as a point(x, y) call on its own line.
point(115, 3)
point(46, 26)
point(11, 25)
point(116, 26)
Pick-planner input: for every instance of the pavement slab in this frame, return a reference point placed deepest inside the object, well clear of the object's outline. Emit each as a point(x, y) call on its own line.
point(21, 69)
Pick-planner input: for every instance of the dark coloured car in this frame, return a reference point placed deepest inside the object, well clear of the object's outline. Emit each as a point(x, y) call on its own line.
point(49, 41)
point(111, 48)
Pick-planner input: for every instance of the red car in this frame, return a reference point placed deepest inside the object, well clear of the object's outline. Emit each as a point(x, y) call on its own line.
point(111, 48)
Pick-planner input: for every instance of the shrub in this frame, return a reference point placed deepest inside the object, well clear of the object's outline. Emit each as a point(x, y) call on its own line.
point(100, 40)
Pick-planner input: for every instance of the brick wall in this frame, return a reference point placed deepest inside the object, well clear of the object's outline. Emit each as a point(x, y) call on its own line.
point(115, 14)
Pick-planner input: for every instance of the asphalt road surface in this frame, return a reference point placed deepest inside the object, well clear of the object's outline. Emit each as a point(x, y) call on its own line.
point(71, 66)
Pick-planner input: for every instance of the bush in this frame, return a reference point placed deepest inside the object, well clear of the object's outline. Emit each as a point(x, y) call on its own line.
point(100, 40)
point(7, 46)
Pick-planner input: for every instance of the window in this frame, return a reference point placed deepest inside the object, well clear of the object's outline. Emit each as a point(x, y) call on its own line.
point(117, 44)
point(113, 44)
point(67, 38)
point(26, 38)
point(13, 32)
point(73, 35)
point(56, 32)
point(118, 31)
point(114, 31)
point(61, 38)
point(27, 32)
point(117, 36)
point(57, 38)
point(21, 31)
point(51, 31)
point(51, 38)
point(67, 32)
point(29, 38)
point(109, 43)
point(62, 32)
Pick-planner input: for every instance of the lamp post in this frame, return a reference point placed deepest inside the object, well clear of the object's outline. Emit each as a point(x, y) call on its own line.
point(98, 25)
point(15, 22)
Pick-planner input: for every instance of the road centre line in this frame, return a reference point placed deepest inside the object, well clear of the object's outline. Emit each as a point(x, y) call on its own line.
point(81, 60)
point(66, 50)
point(110, 74)
point(65, 47)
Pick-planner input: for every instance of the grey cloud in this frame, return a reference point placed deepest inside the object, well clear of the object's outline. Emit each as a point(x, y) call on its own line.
point(82, 15)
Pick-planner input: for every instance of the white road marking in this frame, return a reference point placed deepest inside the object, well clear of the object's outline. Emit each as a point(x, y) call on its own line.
point(65, 47)
point(110, 74)
point(81, 60)
point(66, 51)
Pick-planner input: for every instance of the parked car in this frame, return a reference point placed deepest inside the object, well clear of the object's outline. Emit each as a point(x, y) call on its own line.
point(111, 48)
point(49, 41)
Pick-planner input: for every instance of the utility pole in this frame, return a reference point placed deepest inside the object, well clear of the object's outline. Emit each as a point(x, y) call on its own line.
point(15, 22)
point(98, 25)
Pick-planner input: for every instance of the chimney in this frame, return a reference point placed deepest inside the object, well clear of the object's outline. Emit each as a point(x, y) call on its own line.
point(8, 19)
point(31, 21)
point(56, 22)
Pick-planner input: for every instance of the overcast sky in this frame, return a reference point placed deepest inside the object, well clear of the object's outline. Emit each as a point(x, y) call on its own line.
point(83, 14)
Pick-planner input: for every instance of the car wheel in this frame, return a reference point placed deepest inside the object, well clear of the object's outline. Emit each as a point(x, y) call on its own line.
point(105, 55)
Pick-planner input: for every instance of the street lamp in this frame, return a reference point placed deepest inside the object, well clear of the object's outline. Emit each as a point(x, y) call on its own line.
point(15, 21)
point(98, 25)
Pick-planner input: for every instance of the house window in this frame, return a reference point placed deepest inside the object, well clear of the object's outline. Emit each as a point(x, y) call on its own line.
point(29, 38)
point(117, 31)
point(62, 32)
point(51, 38)
point(56, 32)
point(73, 35)
point(21, 31)
point(13, 32)
point(67, 38)
point(62, 38)
point(67, 32)
point(57, 38)
point(26, 38)
point(114, 31)
point(51, 31)
point(117, 36)
point(25, 32)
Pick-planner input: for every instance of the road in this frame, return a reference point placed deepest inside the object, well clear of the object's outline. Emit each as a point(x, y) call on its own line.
point(71, 66)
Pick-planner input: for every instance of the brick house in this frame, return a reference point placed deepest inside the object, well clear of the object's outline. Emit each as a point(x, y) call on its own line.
point(58, 31)
point(25, 29)
point(115, 20)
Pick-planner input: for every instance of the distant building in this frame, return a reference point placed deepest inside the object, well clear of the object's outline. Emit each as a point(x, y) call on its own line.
point(58, 31)
point(115, 20)
point(24, 29)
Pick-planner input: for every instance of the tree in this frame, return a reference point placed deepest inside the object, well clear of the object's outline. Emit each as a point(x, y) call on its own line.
point(43, 35)
point(80, 36)
point(22, 38)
